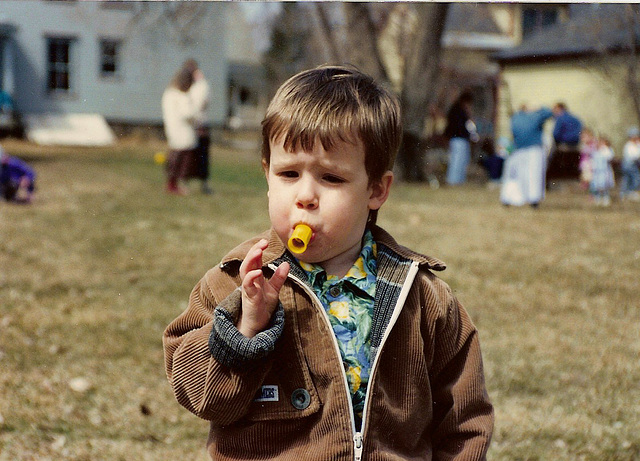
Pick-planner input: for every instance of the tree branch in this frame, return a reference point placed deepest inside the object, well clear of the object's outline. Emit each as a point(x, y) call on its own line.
point(422, 65)
point(325, 32)
point(363, 41)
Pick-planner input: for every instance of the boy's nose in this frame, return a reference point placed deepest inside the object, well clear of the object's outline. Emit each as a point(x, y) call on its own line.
point(307, 203)
point(306, 198)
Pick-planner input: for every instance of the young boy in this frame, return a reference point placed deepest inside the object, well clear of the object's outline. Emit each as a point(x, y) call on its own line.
point(352, 349)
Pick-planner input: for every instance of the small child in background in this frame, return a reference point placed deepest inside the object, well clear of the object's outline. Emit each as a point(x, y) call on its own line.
point(630, 171)
point(17, 179)
point(588, 144)
point(602, 180)
point(492, 161)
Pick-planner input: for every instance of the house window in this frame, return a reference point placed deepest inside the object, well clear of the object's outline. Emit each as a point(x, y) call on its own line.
point(109, 57)
point(536, 18)
point(59, 65)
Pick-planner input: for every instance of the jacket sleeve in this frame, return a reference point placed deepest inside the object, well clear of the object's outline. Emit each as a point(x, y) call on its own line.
point(215, 371)
point(463, 414)
point(199, 93)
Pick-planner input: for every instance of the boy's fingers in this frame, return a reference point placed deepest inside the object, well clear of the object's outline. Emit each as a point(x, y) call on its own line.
point(253, 260)
point(252, 282)
point(279, 277)
point(273, 286)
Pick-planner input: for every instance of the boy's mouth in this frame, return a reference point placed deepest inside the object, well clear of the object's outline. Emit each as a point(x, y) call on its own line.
point(301, 237)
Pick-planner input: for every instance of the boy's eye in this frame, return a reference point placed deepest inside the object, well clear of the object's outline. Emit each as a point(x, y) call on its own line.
point(288, 174)
point(333, 179)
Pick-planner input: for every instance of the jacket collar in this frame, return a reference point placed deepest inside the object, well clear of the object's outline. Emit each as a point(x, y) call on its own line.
point(382, 237)
point(277, 251)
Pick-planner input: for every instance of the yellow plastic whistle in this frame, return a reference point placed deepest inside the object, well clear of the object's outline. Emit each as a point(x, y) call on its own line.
point(300, 239)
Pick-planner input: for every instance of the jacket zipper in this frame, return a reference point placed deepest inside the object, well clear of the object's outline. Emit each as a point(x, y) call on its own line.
point(336, 348)
point(358, 441)
point(357, 445)
point(406, 286)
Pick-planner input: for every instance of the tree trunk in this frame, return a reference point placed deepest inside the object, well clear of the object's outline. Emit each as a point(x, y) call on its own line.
point(421, 77)
point(632, 66)
point(362, 50)
point(421, 66)
point(324, 31)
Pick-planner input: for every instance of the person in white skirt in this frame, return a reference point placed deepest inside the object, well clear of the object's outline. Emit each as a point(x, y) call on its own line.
point(523, 177)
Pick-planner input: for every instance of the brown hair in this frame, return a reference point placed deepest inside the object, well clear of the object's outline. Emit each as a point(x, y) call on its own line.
point(561, 106)
point(182, 80)
point(191, 65)
point(333, 104)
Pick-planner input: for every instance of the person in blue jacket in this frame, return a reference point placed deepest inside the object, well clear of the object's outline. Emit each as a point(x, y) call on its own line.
point(17, 179)
point(568, 127)
point(523, 175)
point(564, 160)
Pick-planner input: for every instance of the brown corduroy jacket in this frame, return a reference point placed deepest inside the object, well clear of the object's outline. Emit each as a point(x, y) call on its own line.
point(283, 394)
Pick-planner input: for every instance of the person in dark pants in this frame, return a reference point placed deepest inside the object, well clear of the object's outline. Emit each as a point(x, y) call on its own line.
point(460, 131)
point(199, 93)
point(178, 114)
point(564, 161)
point(491, 161)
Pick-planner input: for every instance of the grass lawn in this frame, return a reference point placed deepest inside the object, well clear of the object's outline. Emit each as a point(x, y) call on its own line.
point(93, 271)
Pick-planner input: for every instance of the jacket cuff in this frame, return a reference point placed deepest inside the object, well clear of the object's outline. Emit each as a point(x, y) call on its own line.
point(230, 347)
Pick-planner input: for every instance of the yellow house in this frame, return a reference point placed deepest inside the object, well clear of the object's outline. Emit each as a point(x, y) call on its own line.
point(473, 33)
point(587, 62)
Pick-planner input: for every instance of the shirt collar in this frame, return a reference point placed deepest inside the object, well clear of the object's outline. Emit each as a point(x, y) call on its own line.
point(362, 274)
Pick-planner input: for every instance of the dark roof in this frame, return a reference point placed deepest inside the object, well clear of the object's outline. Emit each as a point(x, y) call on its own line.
point(471, 17)
point(596, 28)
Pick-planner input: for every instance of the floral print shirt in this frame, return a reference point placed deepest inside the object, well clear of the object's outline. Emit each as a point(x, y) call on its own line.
point(349, 304)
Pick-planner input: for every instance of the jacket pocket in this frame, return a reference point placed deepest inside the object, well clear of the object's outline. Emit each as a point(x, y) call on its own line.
point(287, 391)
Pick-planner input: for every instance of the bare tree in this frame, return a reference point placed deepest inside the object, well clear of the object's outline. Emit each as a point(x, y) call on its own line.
point(325, 34)
point(355, 39)
point(291, 44)
point(362, 40)
point(183, 20)
point(633, 26)
point(418, 90)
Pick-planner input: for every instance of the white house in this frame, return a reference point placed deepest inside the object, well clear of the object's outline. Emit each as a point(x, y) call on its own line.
point(112, 58)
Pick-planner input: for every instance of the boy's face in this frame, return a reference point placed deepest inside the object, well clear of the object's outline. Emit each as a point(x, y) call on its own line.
point(330, 192)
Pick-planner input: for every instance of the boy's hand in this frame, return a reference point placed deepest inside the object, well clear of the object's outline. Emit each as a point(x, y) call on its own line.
point(259, 295)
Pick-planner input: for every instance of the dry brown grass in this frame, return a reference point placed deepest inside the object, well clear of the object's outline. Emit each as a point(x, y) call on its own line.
point(93, 271)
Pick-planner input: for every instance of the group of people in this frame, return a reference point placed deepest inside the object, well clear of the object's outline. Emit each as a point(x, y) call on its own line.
point(525, 168)
point(596, 172)
point(576, 152)
point(184, 114)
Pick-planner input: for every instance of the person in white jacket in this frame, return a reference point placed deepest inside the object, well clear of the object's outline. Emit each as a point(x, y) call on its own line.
point(199, 93)
point(179, 118)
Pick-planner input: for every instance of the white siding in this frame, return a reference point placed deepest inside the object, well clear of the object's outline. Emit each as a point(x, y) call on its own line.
point(153, 48)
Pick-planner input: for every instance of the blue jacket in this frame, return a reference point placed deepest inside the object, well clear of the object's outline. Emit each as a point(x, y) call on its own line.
point(12, 169)
point(567, 129)
point(527, 127)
